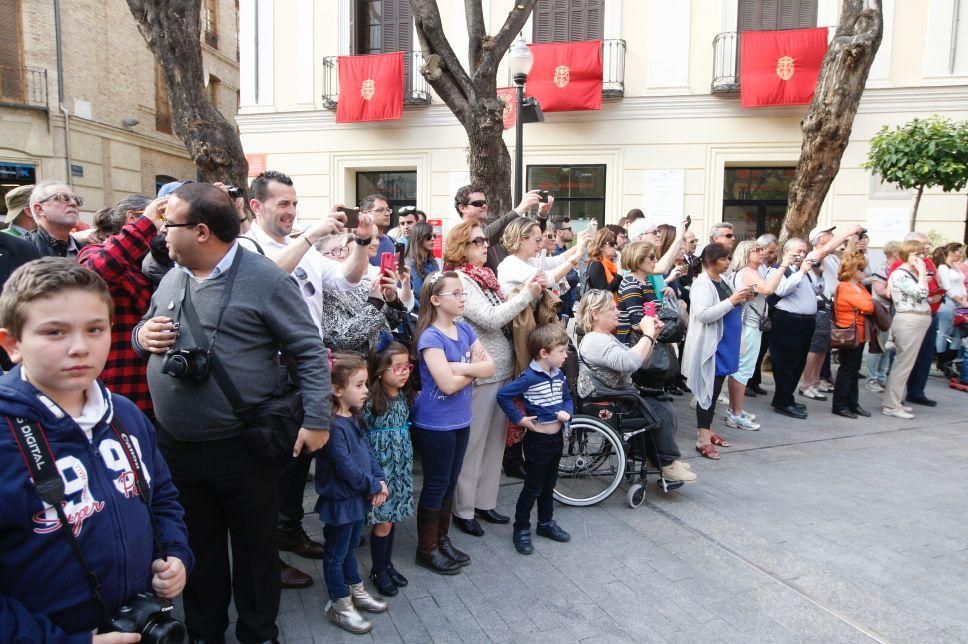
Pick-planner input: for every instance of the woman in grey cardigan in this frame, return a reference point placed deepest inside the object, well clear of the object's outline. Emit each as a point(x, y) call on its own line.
point(712, 345)
point(487, 312)
point(603, 358)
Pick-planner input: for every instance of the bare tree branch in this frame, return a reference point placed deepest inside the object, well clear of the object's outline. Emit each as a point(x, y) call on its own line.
point(476, 32)
point(430, 32)
point(830, 118)
point(495, 49)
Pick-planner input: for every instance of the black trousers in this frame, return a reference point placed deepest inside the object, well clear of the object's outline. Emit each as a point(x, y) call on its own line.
point(789, 345)
point(757, 376)
point(845, 387)
point(228, 492)
point(704, 417)
point(441, 456)
point(542, 453)
point(292, 489)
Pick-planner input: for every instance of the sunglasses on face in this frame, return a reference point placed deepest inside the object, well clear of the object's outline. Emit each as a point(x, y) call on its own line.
point(550, 236)
point(430, 237)
point(612, 244)
point(728, 236)
point(651, 257)
point(63, 197)
point(564, 229)
point(478, 203)
point(479, 241)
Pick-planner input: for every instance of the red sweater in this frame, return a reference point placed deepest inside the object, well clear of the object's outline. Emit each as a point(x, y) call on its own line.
point(118, 261)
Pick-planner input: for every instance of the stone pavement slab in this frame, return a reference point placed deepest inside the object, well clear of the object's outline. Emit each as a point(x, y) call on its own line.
point(824, 530)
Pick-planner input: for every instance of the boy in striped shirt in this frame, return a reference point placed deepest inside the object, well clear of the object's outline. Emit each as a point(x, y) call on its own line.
point(547, 406)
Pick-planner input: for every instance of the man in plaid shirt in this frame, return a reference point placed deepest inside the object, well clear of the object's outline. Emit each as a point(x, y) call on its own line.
point(118, 261)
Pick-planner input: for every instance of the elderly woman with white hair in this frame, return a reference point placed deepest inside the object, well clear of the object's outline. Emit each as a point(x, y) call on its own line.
point(605, 362)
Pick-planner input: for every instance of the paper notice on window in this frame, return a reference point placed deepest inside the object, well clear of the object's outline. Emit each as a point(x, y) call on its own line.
point(664, 191)
point(887, 224)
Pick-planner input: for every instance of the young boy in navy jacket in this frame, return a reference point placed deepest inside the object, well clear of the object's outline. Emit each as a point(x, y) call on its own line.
point(56, 319)
point(547, 406)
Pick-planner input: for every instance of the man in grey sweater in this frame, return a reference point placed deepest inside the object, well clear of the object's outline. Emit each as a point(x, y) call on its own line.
point(227, 490)
point(471, 203)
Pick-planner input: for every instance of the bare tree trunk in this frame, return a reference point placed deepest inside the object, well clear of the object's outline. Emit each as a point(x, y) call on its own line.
point(914, 210)
point(472, 96)
point(827, 125)
point(172, 30)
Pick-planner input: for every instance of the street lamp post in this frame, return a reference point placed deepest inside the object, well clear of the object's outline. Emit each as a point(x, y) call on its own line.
point(520, 60)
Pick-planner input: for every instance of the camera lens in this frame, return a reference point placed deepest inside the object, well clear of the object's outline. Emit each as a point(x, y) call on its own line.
point(164, 630)
point(177, 366)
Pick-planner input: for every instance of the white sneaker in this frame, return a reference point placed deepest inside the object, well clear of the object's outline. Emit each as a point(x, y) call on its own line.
point(745, 414)
point(907, 409)
point(675, 471)
point(897, 413)
point(873, 385)
point(812, 393)
point(741, 422)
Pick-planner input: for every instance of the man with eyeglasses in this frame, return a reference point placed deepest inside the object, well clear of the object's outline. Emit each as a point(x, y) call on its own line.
point(471, 202)
point(273, 200)
point(230, 492)
point(55, 208)
point(378, 208)
point(723, 233)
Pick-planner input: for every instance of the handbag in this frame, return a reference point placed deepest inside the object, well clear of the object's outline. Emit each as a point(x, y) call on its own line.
point(674, 326)
point(269, 428)
point(881, 317)
point(841, 338)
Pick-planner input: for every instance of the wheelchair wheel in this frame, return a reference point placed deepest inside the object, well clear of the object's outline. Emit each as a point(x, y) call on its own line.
point(636, 495)
point(592, 463)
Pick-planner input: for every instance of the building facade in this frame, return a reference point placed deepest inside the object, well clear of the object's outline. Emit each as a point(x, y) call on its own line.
point(113, 136)
point(671, 137)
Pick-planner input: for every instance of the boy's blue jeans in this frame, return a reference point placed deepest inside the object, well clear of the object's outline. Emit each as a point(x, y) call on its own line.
point(339, 558)
point(542, 453)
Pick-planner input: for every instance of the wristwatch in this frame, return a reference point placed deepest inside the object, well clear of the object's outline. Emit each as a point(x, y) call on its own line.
point(363, 241)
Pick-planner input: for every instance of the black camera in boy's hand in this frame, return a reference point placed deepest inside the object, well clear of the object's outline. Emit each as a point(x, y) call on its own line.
point(187, 364)
point(150, 616)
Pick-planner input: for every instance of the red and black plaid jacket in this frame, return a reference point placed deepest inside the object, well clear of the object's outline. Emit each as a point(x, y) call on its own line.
point(118, 261)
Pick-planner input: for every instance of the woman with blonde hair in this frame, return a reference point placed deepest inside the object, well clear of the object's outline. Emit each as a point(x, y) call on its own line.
point(909, 292)
point(522, 239)
point(852, 306)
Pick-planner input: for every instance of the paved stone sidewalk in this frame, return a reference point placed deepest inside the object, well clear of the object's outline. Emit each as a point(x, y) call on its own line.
point(825, 530)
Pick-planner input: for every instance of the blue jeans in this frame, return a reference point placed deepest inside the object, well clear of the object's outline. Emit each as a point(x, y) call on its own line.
point(542, 453)
point(339, 558)
point(878, 364)
point(922, 367)
point(442, 456)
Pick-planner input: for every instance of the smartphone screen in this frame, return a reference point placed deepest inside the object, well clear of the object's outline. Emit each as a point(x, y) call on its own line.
point(401, 249)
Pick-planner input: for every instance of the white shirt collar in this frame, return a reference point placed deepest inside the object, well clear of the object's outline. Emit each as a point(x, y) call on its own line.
point(261, 236)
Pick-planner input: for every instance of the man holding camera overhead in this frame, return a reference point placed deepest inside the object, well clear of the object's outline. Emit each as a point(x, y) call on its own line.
point(244, 310)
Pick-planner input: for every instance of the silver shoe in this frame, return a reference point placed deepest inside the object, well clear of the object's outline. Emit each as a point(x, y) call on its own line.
point(344, 614)
point(365, 601)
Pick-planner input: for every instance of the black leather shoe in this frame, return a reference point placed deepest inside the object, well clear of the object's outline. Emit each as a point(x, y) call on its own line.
point(750, 393)
point(491, 516)
point(846, 413)
point(922, 400)
point(791, 411)
point(800, 406)
point(553, 531)
point(675, 391)
point(398, 580)
point(298, 542)
point(293, 577)
point(468, 526)
point(384, 584)
point(522, 542)
point(756, 389)
point(860, 411)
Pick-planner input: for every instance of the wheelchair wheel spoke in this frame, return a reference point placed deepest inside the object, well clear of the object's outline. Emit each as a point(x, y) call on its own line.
point(592, 463)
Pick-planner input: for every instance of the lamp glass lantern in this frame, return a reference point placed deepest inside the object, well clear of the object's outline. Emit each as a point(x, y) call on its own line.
point(520, 60)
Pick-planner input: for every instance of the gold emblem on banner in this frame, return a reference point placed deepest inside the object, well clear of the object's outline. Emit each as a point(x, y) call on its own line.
point(562, 76)
point(368, 89)
point(506, 99)
point(785, 68)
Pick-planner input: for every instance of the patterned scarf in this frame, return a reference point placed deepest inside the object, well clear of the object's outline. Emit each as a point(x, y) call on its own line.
point(484, 277)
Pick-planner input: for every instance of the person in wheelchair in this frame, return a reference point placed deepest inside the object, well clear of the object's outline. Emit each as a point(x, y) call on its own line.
point(606, 367)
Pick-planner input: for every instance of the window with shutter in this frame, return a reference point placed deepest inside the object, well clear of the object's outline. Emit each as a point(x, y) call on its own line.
point(771, 15)
point(382, 26)
point(12, 83)
point(568, 20)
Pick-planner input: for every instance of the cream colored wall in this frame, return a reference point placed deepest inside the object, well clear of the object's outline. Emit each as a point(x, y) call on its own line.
point(650, 128)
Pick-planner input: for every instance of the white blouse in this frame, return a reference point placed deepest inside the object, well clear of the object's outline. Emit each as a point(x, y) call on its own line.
point(513, 271)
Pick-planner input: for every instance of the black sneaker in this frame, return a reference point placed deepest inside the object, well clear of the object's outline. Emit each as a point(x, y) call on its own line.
point(522, 542)
point(552, 531)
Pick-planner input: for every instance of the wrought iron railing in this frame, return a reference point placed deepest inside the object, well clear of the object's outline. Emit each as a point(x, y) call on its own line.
point(416, 90)
point(613, 68)
point(23, 86)
point(726, 62)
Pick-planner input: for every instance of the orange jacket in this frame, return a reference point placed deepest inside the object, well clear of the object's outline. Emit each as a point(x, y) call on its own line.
point(850, 301)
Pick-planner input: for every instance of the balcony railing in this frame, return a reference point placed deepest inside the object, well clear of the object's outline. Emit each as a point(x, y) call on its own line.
point(416, 90)
point(726, 63)
point(613, 68)
point(26, 86)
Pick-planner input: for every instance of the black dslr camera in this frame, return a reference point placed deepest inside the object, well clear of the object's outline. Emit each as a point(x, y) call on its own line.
point(149, 615)
point(187, 364)
point(235, 192)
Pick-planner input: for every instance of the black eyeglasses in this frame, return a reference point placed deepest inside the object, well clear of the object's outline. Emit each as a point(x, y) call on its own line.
point(478, 203)
point(167, 224)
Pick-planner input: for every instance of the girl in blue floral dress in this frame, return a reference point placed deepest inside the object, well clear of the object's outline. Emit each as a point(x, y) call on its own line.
point(386, 414)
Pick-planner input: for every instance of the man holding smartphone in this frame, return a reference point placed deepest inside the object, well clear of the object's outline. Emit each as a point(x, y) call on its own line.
point(471, 202)
point(378, 208)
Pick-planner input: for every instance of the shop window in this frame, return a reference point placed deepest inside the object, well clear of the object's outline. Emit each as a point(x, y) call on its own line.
point(399, 187)
point(579, 190)
point(755, 199)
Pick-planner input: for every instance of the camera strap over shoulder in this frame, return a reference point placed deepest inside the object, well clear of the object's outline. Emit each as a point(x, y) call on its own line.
point(39, 459)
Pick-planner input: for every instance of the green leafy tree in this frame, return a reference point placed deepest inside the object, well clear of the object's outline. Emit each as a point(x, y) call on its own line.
point(922, 153)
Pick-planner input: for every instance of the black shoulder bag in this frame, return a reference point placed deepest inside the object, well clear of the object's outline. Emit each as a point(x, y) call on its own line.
point(49, 485)
point(269, 428)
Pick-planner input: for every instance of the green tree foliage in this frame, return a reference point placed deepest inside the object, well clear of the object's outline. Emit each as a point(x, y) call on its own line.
point(922, 153)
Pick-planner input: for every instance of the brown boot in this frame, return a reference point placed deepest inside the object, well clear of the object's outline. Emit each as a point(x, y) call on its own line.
point(428, 554)
point(443, 541)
